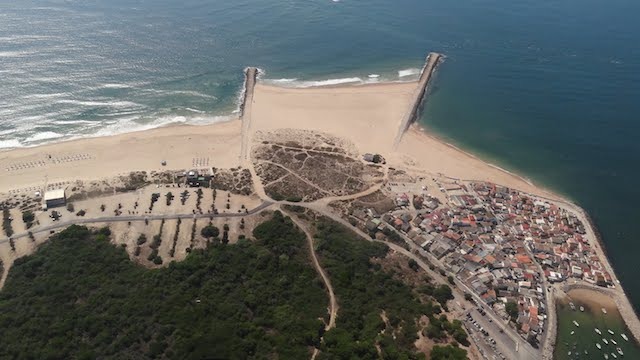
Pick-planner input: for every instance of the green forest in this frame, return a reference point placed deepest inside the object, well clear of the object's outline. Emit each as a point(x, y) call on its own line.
point(364, 292)
point(80, 297)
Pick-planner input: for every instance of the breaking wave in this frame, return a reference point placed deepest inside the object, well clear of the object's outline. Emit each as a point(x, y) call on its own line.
point(313, 83)
point(408, 72)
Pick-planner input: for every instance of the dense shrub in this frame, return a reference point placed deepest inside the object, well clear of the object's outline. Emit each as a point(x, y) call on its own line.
point(365, 291)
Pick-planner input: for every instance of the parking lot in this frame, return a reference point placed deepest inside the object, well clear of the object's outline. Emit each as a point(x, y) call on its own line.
point(489, 337)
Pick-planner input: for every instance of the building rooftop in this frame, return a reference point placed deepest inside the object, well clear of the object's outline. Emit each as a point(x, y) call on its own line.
point(54, 194)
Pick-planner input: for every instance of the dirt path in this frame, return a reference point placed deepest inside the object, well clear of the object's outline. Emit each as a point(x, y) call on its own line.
point(333, 303)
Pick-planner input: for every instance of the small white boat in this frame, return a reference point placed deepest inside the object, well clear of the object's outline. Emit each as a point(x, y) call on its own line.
point(598, 346)
point(619, 351)
point(605, 341)
point(610, 332)
point(572, 306)
point(598, 331)
point(624, 337)
point(576, 323)
point(604, 311)
point(586, 352)
point(569, 353)
point(582, 308)
point(614, 355)
point(614, 342)
point(606, 356)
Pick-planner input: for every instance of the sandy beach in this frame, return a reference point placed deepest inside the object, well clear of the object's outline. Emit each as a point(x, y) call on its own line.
point(366, 115)
point(95, 158)
point(594, 299)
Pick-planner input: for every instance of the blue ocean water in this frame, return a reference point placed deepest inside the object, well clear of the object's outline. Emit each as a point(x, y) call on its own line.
point(547, 88)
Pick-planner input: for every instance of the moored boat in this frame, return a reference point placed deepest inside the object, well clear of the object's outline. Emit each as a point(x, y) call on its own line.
point(606, 356)
point(624, 337)
point(572, 306)
point(614, 355)
point(604, 311)
point(598, 331)
point(582, 308)
point(610, 332)
point(598, 346)
point(614, 342)
point(605, 341)
point(619, 351)
point(573, 332)
point(576, 323)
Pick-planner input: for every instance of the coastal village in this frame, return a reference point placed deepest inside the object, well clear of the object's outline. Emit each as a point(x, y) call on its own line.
point(502, 244)
point(501, 249)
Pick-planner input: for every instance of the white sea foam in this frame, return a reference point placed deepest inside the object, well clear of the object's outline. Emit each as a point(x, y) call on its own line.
point(315, 83)
point(73, 122)
point(23, 38)
point(45, 135)
point(115, 86)
point(8, 144)
point(373, 76)
point(280, 81)
point(181, 92)
point(408, 72)
point(6, 132)
point(195, 110)
point(120, 104)
point(44, 96)
point(131, 125)
point(119, 126)
point(15, 54)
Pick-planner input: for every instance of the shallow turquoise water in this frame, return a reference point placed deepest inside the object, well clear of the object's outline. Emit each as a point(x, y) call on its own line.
point(548, 88)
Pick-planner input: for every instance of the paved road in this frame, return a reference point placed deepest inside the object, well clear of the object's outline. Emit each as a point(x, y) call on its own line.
point(504, 343)
point(110, 219)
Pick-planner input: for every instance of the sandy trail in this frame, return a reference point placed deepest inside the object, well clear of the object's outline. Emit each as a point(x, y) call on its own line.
point(333, 303)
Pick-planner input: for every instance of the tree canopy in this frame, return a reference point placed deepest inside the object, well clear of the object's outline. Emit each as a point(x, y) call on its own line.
point(210, 231)
point(365, 292)
point(512, 310)
point(81, 297)
point(448, 352)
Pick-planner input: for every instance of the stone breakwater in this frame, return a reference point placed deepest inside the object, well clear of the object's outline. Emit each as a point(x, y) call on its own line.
point(250, 78)
point(627, 312)
point(552, 327)
point(433, 59)
point(618, 294)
